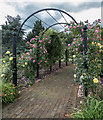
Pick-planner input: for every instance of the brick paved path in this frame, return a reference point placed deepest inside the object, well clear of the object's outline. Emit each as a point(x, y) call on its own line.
point(52, 97)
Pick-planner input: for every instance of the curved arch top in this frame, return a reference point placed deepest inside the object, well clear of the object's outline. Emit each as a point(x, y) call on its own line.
point(53, 25)
point(55, 9)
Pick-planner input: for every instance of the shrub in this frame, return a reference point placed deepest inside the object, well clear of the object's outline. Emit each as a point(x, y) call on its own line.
point(9, 92)
point(92, 108)
point(54, 47)
point(7, 67)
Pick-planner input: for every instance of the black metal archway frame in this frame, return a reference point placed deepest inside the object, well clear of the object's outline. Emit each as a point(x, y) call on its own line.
point(47, 9)
point(15, 36)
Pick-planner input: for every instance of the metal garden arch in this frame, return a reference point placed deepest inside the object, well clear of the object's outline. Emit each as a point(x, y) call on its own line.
point(15, 36)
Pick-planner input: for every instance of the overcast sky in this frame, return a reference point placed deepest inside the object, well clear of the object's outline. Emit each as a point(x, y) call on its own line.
point(81, 11)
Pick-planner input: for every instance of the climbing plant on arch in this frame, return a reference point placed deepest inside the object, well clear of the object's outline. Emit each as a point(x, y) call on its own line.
point(88, 64)
point(80, 40)
point(15, 38)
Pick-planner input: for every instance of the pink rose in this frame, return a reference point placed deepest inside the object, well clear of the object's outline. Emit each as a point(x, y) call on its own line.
point(70, 27)
point(30, 50)
point(34, 46)
point(29, 58)
point(96, 31)
point(89, 27)
point(40, 41)
point(49, 42)
point(74, 27)
point(77, 25)
point(76, 68)
point(46, 61)
point(78, 44)
point(74, 39)
point(69, 45)
point(81, 39)
point(96, 35)
point(76, 49)
point(81, 51)
point(73, 22)
point(98, 28)
point(93, 38)
point(33, 38)
point(28, 53)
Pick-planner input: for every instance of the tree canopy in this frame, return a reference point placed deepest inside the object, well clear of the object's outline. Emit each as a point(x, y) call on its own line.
point(37, 29)
point(12, 24)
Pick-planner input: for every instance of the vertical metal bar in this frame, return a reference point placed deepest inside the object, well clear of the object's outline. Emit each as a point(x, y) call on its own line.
point(66, 57)
point(50, 67)
point(72, 55)
point(37, 69)
point(59, 61)
point(84, 52)
point(1, 73)
point(14, 60)
point(85, 46)
point(37, 58)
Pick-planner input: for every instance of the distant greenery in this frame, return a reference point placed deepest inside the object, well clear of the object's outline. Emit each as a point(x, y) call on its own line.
point(38, 27)
point(12, 24)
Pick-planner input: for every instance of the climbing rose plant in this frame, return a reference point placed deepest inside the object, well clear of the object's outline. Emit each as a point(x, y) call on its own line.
point(89, 77)
point(29, 60)
point(42, 51)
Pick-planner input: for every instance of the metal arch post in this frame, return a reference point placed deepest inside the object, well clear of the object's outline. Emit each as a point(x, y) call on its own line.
point(14, 60)
point(84, 53)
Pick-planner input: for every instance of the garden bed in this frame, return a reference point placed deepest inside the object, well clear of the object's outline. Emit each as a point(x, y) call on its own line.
point(81, 93)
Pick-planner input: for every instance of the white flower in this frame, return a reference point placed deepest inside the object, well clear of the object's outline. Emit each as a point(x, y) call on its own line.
point(74, 75)
point(80, 102)
point(81, 76)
